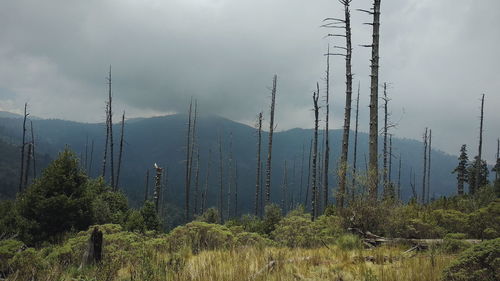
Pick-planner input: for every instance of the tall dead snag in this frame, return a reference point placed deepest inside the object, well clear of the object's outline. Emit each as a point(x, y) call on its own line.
point(197, 182)
point(187, 180)
point(23, 144)
point(111, 143)
point(193, 144)
point(120, 154)
point(146, 187)
point(157, 194)
point(270, 144)
point(204, 194)
point(480, 149)
point(258, 172)
point(424, 174)
point(221, 196)
point(301, 174)
point(236, 188)
point(314, 190)
point(354, 160)
point(385, 152)
point(373, 145)
point(28, 161)
point(230, 175)
point(429, 166)
point(309, 174)
point(496, 169)
point(284, 189)
point(106, 142)
point(33, 149)
point(399, 178)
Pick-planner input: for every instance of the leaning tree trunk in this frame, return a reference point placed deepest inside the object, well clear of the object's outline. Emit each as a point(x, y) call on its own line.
point(257, 177)
point(270, 144)
point(21, 173)
point(348, 101)
point(480, 149)
point(373, 146)
point(120, 154)
point(315, 155)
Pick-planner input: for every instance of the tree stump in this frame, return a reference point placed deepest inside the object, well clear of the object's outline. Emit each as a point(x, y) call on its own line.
point(93, 254)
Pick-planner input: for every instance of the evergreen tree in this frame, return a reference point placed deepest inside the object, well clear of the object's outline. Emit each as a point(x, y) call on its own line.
point(482, 174)
point(461, 170)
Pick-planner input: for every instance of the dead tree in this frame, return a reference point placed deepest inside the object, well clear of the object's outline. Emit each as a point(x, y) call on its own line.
point(314, 190)
point(354, 160)
point(497, 165)
point(23, 144)
point(270, 144)
point(187, 180)
point(424, 174)
point(221, 196)
point(86, 152)
point(204, 194)
point(106, 142)
point(157, 194)
point(413, 185)
point(284, 189)
point(373, 145)
point(28, 161)
point(230, 175)
point(236, 188)
point(197, 181)
point(146, 188)
point(257, 176)
point(193, 144)
point(480, 149)
point(120, 154)
point(93, 253)
point(309, 174)
point(385, 152)
point(399, 178)
point(91, 157)
point(33, 149)
point(111, 143)
point(429, 149)
point(301, 173)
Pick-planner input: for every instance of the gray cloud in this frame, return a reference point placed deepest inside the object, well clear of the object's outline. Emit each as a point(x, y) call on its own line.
point(439, 56)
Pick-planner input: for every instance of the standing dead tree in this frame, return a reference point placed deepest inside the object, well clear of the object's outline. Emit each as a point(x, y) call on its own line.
point(236, 188)
point(23, 145)
point(258, 172)
point(28, 161)
point(111, 143)
point(221, 196)
point(399, 179)
point(156, 196)
point(301, 174)
point(187, 180)
point(354, 160)
point(197, 182)
point(373, 136)
point(496, 169)
point(309, 168)
point(429, 149)
point(385, 152)
point(193, 146)
point(120, 154)
point(270, 144)
point(146, 187)
point(284, 189)
point(480, 149)
point(230, 175)
point(424, 174)
point(314, 191)
point(204, 194)
point(106, 142)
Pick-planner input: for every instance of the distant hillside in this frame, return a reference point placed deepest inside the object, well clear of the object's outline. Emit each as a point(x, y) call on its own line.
point(162, 140)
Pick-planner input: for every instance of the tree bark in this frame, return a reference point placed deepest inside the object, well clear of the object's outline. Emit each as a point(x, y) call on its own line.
point(355, 156)
point(221, 196)
point(258, 172)
point(23, 144)
point(33, 149)
point(111, 143)
point(187, 180)
point(480, 149)
point(315, 155)
point(146, 188)
point(429, 167)
point(207, 178)
point(120, 153)
point(270, 144)
point(424, 174)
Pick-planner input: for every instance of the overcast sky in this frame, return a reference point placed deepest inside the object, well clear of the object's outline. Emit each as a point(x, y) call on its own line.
point(438, 56)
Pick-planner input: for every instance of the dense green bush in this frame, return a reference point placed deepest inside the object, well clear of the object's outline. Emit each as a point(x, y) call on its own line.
point(479, 263)
point(8, 249)
point(200, 236)
point(454, 243)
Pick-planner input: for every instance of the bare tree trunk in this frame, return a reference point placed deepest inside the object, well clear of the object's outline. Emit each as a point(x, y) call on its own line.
point(159, 172)
point(257, 177)
point(497, 170)
point(33, 149)
point(301, 174)
point(28, 161)
point(146, 189)
point(315, 155)
point(207, 178)
point(193, 145)
point(413, 185)
point(104, 160)
point(385, 180)
point(354, 161)
point(236, 188)
point(327, 130)
point(221, 196)
point(392, 192)
point(429, 167)
point(197, 181)
point(373, 146)
point(21, 173)
point(424, 174)
point(120, 153)
point(309, 174)
point(270, 145)
point(480, 149)
point(187, 180)
point(111, 143)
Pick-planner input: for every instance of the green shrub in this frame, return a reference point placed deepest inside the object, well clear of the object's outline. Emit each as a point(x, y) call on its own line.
point(28, 265)
point(479, 263)
point(8, 249)
point(295, 230)
point(211, 215)
point(454, 243)
point(200, 236)
point(349, 242)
